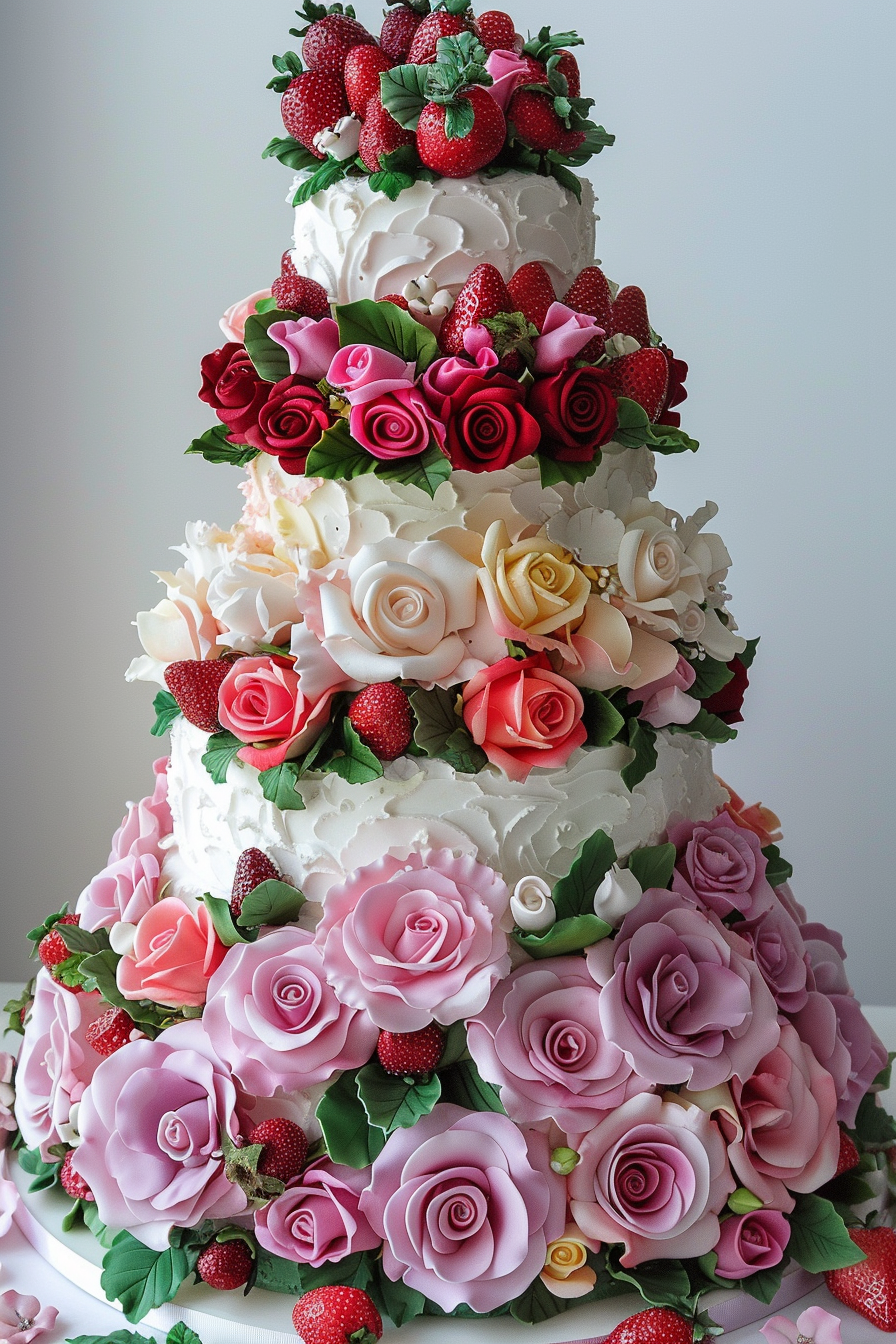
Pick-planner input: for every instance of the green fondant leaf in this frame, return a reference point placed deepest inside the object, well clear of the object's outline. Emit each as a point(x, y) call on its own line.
point(661, 1283)
point(338, 457)
point(327, 175)
point(819, 1239)
point(220, 752)
point(222, 919)
point(399, 1302)
point(455, 1046)
point(463, 1085)
point(167, 710)
point(565, 937)
point(554, 472)
point(427, 471)
point(279, 786)
point(46, 1174)
point(117, 1337)
point(77, 939)
point(391, 184)
point(395, 1103)
point(182, 1334)
point(642, 740)
point(354, 1271)
point(538, 1304)
point(437, 718)
point(874, 1127)
point(574, 894)
point(357, 763)
point(749, 654)
point(104, 1235)
point(214, 446)
point(708, 726)
point(778, 870)
point(460, 119)
point(712, 676)
point(271, 902)
point(403, 90)
point(348, 1134)
point(653, 866)
point(765, 1285)
point(601, 718)
point(270, 359)
point(567, 179)
point(669, 440)
point(141, 1278)
point(633, 424)
point(390, 328)
point(290, 152)
point(277, 1275)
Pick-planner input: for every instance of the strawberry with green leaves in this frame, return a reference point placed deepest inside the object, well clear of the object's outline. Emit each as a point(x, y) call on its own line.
point(484, 296)
point(363, 67)
point(332, 32)
point(400, 27)
point(381, 136)
point(545, 115)
point(337, 1315)
point(313, 102)
point(450, 19)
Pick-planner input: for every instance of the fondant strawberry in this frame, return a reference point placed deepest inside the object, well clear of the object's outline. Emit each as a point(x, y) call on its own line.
point(252, 868)
point(380, 135)
point(658, 1325)
point(870, 1287)
point(496, 30)
point(334, 1315)
point(74, 1185)
point(400, 28)
point(532, 292)
point(330, 38)
point(111, 1030)
point(52, 949)
point(591, 294)
point(313, 101)
point(225, 1265)
point(642, 376)
point(381, 715)
point(363, 67)
point(536, 122)
point(629, 315)
point(433, 28)
point(285, 1148)
point(569, 69)
point(462, 155)
point(296, 293)
point(849, 1154)
point(195, 684)
point(411, 1052)
point(484, 295)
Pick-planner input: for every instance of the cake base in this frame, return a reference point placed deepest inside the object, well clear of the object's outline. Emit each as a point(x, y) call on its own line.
point(265, 1318)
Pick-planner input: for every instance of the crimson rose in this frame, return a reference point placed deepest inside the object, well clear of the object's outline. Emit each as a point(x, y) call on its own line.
point(233, 389)
point(727, 703)
point(577, 412)
point(488, 424)
point(291, 422)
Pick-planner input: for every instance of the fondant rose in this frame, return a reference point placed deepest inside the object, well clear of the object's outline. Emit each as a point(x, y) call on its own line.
point(566, 1271)
point(780, 953)
point(683, 998)
point(788, 1108)
point(176, 951)
point(310, 345)
point(667, 701)
point(654, 1176)
point(756, 818)
point(180, 628)
point(827, 956)
point(317, 1219)
point(56, 1063)
point(416, 940)
point(292, 420)
point(233, 323)
point(523, 714)
point(272, 1016)
point(844, 1042)
point(508, 70)
point(727, 703)
point(467, 1205)
point(254, 600)
point(365, 372)
point(151, 1128)
point(395, 425)
point(445, 377)
point(577, 413)
point(124, 890)
point(233, 389)
point(533, 589)
point(751, 1242)
point(563, 338)
point(146, 823)
point(540, 1040)
point(488, 426)
point(721, 866)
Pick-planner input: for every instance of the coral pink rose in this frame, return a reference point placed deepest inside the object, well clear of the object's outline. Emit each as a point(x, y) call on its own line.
point(233, 323)
point(751, 1242)
point(653, 1175)
point(758, 819)
point(175, 954)
point(147, 822)
point(523, 714)
point(563, 337)
point(667, 701)
point(317, 1219)
point(489, 427)
point(309, 343)
point(364, 373)
point(233, 389)
point(417, 939)
point(395, 425)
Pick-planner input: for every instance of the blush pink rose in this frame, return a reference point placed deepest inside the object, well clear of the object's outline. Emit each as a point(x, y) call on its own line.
point(524, 714)
point(233, 323)
point(310, 344)
point(467, 1205)
point(176, 952)
point(654, 1176)
point(365, 373)
point(780, 953)
point(317, 1220)
point(508, 70)
point(56, 1063)
point(563, 337)
point(788, 1109)
point(843, 1041)
point(444, 377)
point(147, 823)
point(413, 940)
point(751, 1242)
point(813, 1326)
point(395, 425)
point(721, 866)
point(667, 701)
point(272, 1016)
point(151, 1128)
point(540, 1040)
point(125, 890)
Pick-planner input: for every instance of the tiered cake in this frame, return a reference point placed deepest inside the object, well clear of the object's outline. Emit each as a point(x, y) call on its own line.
point(438, 965)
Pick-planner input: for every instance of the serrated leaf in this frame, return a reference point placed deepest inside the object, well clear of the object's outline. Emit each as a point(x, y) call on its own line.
point(707, 726)
point(77, 939)
point(711, 677)
point(46, 1174)
point(462, 753)
point(222, 920)
point(327, 175)
point(348, 1134)
point(140, 1278)
point(778, 870)
point(337, 457)
point(388, 327)
point(403, 91)
point(749, 654)
point(395, 1103)
point(642, 740)
point(632, 425)
point(565, 937)
point(427, 471)
point(167, 711)
point(218, 755)
point(574, 894)
point(555, 473)
point(214, 446)
point(601, 718)
point(819, 1239)
point(99, 973)
point(356, 764)
point(271, 902)
point(291, 153)
point(460, 118)
point(653, 866)
point(277, 1275)
point(279, 786)
point(463, 1085)
point(391, 184)
point(270, 359)
point(117, 1337)
point(874, 1127)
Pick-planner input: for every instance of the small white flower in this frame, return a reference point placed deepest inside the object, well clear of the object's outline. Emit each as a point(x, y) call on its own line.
point(68, 1130)
point(340, 141)
point(425, 298)
point(532, 905)
point(619, 892)
point(121, 938)
point(620, 345)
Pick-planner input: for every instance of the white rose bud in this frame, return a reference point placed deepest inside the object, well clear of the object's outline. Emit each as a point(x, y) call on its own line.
point(426, 299)
point(340, 141)
point(620, 345)
point(532, 905)
point(121, 938)
point(619, 892)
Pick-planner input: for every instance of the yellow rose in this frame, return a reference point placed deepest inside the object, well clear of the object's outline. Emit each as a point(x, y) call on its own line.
point(566, 1272)
point(533, 584)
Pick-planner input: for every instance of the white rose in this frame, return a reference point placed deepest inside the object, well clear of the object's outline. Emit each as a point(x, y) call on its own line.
point(315, 531)
point(532, 905)
point(181, 627)
point(255, 601)
point(340, 141)
point(619, 892)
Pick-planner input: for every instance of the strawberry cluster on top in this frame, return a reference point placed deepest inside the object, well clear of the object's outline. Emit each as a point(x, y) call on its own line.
point(441, 93)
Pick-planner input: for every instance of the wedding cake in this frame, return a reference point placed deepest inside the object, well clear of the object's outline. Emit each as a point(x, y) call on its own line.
point(438, 974)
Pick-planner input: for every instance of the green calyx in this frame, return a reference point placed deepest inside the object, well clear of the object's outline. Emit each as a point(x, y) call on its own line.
point(418, 6)
point(313, 13)
point(512, 333)
point(564, 1161)
point(289, 67)
point(744, 1201)
point(241, 1167)
point(36, 936)
point(573, 112)
point(362, 1336)
point(459, 65)
point(459, 8)
point(548, 44)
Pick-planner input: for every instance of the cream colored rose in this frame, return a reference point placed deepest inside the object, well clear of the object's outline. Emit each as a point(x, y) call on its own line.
point(532, 587)
point(255, 601)
point(532, 905)
point(566, 1272)
point(315, 531)
point(180, 627)
point(619, 892)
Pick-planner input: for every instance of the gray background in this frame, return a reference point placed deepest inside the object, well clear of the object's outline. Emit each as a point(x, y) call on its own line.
point(750, 194)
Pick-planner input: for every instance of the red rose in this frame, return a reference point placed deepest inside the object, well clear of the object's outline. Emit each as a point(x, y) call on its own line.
point(232, 387)
point(488, 424)
point(678, 372)
point(576, 411)
point(727, 703)
point(291, 422)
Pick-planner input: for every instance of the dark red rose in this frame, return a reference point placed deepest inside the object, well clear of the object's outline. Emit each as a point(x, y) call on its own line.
point(488, 426)
point(677, 393)
point(291, 422)
point(231, 386)
point(729, 701)
point(577, 412)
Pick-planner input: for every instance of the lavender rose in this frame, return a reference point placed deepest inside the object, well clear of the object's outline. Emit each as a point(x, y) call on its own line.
point(682, 997)
point(721, 866)
point(125, 890)
point(653, 1175)
point(842, 1039)
point(151, 1125)
point(540, 1040)
point(780, 953)
point(317, 1219)
point(751, 1242)
point(467, 1205)
point(272, 1016)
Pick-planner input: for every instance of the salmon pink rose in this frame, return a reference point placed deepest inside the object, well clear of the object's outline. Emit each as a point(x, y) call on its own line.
point(751, 1242)
point(395, 425)
point(317, 1219)
point(176, 952)
point(523, 715)
point(233, 323)
point(577, 413)
point(756, 818)
point(233, 389)
point(413, 940)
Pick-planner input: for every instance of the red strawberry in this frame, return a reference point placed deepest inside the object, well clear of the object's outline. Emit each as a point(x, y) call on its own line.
point(398, 299)
point(52, 949)
point(466, 155)
point(329, 41)
point(496, 30)
point(642, 376)
point(363, 67)
point(297, 294)
point(335, 1315)
point(380, 134)
point(382, 716)
point(74, 1185)
point(434, 27)
point(659, 1325)
point(870, 1288)
point(849, 1154)
point(225, 1265)
point(411, 1052)
point(252, 868)
point(591, 294)
point(532, 292)
point(195, 685)
point(314, 101)
point(399, 29)
point(630, 315)
point(285, 1148)
point(569, 69)
point(110, 1031)
point(536, 124)
point(484, 295)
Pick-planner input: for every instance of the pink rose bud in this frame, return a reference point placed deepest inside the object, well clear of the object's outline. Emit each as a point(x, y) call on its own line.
point(508, 71)
point(365, 372)
point(565, 335)
point(751, 1242)
point(311, 345)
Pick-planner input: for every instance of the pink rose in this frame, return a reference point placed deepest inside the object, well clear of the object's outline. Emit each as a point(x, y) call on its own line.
point(147, 823)
point(125, 890)
point(843, 1041)
point(317, 1220)
point(813, 1326)
point(827, 955)
point(721, 866)
point(151, 1128)
point(666, 701)
point(467, 1205)
point(653, 1175)
point(523, 714)
point(272, 1016)
point(564, 336)
point(780, 953)
point(788, 1109)
point(56, 1063)
point(8, 1124)
point(23, 1319)
point(444, 377)
point(310, 344)
point(233, 323)
point(539, 1039)
point(417, 939)
point(366, 373)
point(395, 425)
point(508, 71)
point(176, 951)
point(751, 1242)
